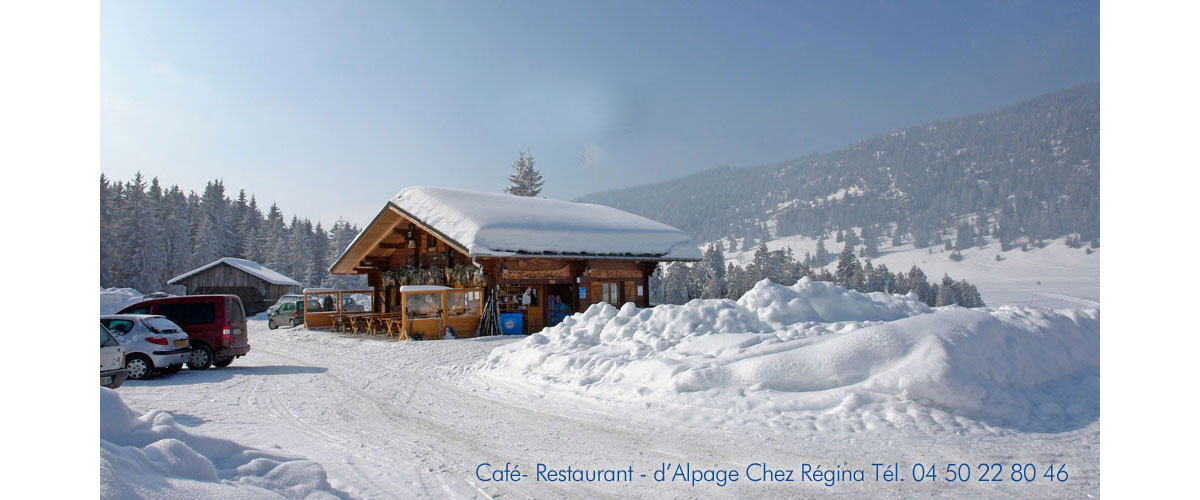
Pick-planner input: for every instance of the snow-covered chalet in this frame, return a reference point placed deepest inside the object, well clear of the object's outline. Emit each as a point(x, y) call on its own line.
point(540, 258)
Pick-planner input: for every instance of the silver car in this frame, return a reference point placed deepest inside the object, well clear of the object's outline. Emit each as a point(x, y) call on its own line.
point(151, 342)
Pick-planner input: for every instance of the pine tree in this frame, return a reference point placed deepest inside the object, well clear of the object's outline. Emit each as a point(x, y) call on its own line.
point(757, 270)
point(248, 232)
point(526, 180)
point(822, 255)
point(713, 267)
point(871, 247)
point(852, 238)
point(273, 240)
point(176, 225)
point(675, 288)
point(945, 293)
point(299, 247)
point(318, 270)
point(109, 208)
point(847, 268)
point(737, 281)
point(138, 240)
point(967, 294)
point(917, 283)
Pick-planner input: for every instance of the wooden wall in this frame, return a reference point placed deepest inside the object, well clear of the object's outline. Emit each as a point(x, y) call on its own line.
point(256, 293)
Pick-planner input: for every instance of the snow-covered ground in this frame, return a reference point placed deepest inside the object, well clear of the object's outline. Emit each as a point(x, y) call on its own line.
point(1054, 276)
point(786, 376)
point(151, 456)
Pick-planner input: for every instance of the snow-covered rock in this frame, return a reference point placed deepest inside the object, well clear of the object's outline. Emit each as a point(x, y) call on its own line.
point(151, 456)
point(819, 356)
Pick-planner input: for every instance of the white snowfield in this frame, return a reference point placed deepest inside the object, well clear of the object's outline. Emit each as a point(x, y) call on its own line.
point(484, 224)
point(1054, 276)
point(806, 374)
point(151, 456)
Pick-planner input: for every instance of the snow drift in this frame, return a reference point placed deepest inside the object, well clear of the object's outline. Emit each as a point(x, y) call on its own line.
point(815, 355)
point(151, 456)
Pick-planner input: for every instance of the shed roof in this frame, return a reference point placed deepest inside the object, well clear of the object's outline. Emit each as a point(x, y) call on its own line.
point(250, 267)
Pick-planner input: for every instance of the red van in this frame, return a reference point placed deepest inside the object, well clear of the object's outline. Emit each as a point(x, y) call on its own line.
point(216, 325)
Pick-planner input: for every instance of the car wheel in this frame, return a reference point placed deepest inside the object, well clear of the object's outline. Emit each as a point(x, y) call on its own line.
point(139, 367)
point(295, 323)
point(202, 358)
point(223, 362)
point(271, 324)
point(172, 369)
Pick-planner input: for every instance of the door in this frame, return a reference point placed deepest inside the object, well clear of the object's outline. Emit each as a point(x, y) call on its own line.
point(111, 354)
point(535, 317)
point(610, 292)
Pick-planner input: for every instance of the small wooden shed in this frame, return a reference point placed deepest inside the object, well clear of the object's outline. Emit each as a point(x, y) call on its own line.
point(257, 285)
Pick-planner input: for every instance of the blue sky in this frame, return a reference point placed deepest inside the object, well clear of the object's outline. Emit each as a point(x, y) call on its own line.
point(329, 108)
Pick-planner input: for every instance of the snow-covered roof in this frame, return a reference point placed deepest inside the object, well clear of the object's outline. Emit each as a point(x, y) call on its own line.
point(502, 225)
point(253, 268)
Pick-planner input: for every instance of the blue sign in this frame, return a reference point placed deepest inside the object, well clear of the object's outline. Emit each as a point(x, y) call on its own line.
point(583, 292)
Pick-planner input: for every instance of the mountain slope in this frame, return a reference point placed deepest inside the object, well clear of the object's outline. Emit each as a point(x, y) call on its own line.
point(1028, 170)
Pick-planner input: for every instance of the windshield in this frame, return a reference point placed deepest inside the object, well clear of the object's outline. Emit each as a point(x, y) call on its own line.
point(161, 325)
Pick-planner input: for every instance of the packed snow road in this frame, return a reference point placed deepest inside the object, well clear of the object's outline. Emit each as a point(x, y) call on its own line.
point(413, 420)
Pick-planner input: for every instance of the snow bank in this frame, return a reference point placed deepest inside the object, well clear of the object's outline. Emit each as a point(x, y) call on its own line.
point(113, 299)
point(809, 300)
point(815, 355)
point(151, 456)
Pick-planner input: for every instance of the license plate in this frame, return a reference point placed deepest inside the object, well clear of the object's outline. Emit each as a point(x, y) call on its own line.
point(105, 380)
point(180, 343)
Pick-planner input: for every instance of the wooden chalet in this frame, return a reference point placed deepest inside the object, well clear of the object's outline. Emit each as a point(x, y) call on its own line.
point(258, 286)
point(534, 261)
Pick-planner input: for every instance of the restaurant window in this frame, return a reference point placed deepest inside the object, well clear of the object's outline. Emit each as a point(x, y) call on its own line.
point(611, 293)
point(463, 303)
point(423, 305)
point(320, 302)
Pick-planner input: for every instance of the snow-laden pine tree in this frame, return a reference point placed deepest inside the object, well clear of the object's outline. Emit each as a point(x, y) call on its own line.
point(318, 270)
point(847, 267)
point(248, 232)
point(109, 206)
point(139, 253)
point(212, 233)
point(675, 283)
point(299, 246)
point(757, 269)
point(945, 293)
point(821, 257)
point(272, 238)
point(176, 224)
point(713, 267)
point(525, 180)
point(734, 277)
